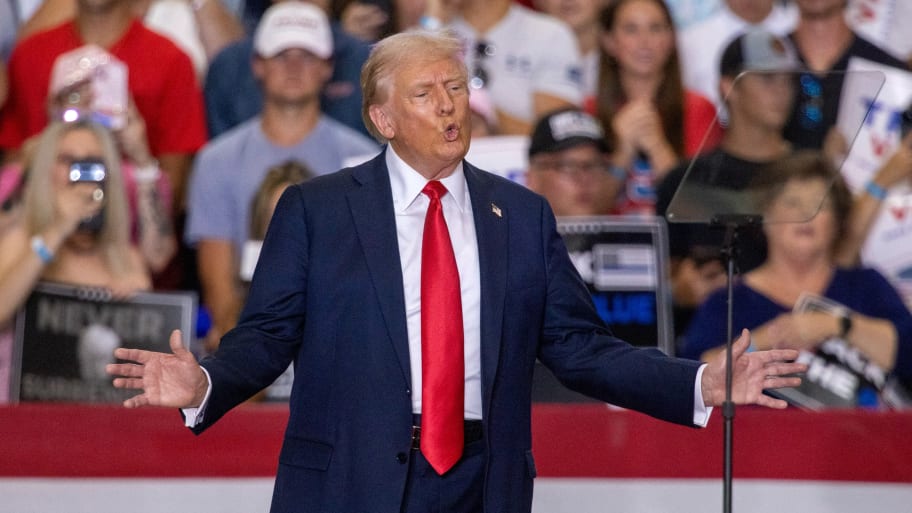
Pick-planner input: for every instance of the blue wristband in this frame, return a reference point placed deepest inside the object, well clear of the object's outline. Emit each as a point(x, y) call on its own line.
point(41, 249)
point(876, 191)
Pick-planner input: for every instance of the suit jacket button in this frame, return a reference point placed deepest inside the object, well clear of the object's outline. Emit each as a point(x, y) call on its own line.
point(401, 458)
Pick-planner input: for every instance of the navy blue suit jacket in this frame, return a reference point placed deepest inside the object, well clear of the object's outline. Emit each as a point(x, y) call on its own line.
point(327, 295)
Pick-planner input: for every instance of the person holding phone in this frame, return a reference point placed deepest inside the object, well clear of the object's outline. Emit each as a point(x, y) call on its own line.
point(161, 82)
point(80, 235)
point(91, 84)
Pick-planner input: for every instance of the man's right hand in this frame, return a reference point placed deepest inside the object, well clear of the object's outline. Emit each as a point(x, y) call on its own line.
point(172, 380)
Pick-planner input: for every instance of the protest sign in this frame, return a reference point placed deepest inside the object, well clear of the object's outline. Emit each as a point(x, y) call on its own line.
point(889, 238)
point(66, 335)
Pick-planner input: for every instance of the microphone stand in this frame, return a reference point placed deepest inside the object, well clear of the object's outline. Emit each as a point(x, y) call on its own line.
point(731, 224)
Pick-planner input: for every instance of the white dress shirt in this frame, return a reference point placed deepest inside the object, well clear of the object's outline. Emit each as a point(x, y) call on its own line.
point(410, 206)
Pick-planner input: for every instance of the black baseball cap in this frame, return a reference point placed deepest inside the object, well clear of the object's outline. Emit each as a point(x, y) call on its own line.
point(565, 129)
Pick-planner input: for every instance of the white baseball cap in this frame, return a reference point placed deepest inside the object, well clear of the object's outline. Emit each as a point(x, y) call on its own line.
point(293, 24)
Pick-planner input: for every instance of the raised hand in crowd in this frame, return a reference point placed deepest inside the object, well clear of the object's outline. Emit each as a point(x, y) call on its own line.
point(898, 167)
point(81, 235)
point(133, 138)
point(216, 26)
point(157, 241)
point(73, 204)
point(638, 126)
point(869, 201)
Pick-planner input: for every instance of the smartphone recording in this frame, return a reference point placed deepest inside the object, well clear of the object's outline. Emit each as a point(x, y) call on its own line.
point(89, 82)
point(88, 171)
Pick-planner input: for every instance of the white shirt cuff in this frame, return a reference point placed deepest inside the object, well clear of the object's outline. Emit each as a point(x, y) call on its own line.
point(701, 411)
point(194, 416)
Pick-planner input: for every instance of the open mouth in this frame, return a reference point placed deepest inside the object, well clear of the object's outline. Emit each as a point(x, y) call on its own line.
point(452, 132)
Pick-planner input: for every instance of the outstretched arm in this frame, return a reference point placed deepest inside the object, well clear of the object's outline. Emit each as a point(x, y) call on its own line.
point(172, 380)
point(752, 373)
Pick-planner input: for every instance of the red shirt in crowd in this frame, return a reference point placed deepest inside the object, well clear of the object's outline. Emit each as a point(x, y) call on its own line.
point(160, 79)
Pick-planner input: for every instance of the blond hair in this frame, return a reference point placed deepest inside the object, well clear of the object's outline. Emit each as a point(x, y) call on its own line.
point(394, 51)
point(287, 173)
point(114, 237)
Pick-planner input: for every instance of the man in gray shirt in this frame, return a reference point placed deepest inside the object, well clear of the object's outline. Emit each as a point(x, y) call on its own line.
point(293, 61)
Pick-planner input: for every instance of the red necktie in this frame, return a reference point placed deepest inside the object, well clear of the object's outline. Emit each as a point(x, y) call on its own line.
point(442, 366)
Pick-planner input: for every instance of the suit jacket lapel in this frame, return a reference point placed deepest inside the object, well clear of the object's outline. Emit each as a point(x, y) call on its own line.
point(372, 210)
point(491, 226)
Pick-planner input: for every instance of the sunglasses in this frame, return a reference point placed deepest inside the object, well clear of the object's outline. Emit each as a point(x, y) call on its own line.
point(480, 76)
point(812, 102)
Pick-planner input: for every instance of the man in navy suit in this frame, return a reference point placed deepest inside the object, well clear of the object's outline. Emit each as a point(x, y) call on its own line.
point(337, 291)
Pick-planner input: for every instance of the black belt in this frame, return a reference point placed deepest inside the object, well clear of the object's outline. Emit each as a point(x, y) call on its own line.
point(472, 432)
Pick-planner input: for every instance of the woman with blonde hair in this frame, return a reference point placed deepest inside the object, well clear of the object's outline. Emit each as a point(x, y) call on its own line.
point(75, 222)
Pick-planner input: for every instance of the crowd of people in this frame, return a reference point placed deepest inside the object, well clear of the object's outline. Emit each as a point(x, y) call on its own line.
point(198, 123)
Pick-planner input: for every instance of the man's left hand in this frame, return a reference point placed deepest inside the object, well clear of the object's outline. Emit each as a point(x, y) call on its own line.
point(752, 373)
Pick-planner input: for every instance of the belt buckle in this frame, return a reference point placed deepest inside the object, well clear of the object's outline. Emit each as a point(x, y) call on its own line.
point(416, 438)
